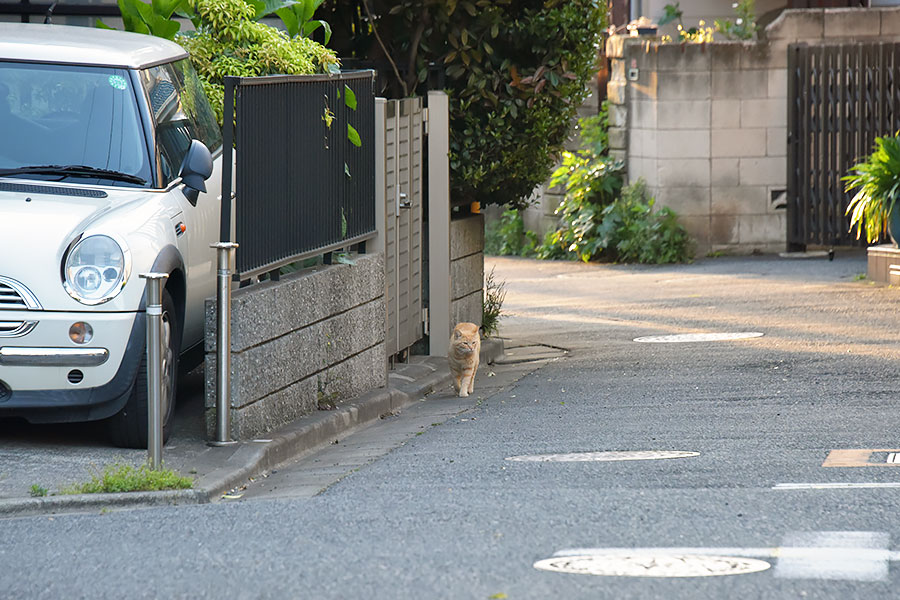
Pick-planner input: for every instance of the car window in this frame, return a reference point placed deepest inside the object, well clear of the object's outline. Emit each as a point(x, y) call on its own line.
point(181, 113)
point(70, 115)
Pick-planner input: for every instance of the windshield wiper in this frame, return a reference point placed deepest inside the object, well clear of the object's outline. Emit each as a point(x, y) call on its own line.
point(74, 171)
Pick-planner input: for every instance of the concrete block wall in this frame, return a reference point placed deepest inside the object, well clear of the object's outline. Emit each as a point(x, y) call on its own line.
point(466, 269)
point(705, 125)
point(315, 337)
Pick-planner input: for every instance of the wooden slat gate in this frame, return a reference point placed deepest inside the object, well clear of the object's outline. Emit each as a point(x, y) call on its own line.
point(403, 223)
point(840, 98)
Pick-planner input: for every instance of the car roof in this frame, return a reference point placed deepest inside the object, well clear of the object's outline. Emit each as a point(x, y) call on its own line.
point(64, 44)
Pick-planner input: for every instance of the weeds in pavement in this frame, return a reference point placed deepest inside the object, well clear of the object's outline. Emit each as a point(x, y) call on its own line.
point(126, 478)
point(492, 305)
point(38, 491)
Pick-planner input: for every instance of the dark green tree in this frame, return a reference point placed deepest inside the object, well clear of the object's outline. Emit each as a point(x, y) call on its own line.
point(516, 71)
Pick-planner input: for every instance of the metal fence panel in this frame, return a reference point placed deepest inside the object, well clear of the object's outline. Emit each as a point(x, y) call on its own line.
point(302, 186)
point(840, 98)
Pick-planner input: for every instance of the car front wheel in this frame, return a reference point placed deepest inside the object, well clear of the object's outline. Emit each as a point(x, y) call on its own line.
point(129, 427)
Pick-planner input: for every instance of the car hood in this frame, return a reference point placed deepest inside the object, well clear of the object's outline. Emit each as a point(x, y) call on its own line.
point(37, 226)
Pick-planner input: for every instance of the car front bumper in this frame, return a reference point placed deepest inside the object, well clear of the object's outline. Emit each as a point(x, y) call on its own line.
point(45, 381)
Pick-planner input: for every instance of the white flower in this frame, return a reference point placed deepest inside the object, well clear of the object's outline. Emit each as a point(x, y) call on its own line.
point(739, 21)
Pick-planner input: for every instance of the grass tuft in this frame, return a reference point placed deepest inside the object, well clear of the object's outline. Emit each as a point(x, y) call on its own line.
point(126, 478)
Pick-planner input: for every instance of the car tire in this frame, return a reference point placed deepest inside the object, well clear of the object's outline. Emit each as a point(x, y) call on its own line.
point(129, 427)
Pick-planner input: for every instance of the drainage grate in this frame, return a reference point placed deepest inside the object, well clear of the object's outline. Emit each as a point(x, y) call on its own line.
point(698, 337)
point(605, 456)
point(652, 565)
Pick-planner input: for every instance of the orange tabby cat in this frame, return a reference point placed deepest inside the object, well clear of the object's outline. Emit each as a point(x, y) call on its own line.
point(465, 345)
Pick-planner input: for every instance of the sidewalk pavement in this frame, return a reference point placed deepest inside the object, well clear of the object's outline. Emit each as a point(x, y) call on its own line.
point(74, 452)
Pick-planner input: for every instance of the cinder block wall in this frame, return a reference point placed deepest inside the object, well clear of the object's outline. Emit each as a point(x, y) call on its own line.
point(315, 337)
point(466, 269)
point(705, 125)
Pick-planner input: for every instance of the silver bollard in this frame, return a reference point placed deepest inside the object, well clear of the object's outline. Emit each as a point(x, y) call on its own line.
point(154, 368)
point(225, 259)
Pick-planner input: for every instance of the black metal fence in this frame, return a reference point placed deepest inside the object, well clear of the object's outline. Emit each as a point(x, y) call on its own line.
point(840, 98)
point(305, 167)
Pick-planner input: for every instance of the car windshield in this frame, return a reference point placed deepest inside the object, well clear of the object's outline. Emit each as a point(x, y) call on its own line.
point(71, 123)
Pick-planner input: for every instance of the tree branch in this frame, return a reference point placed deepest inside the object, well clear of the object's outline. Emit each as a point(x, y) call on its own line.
point(384, 49)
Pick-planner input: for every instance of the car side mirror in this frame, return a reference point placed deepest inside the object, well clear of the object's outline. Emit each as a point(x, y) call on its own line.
point(197, 166)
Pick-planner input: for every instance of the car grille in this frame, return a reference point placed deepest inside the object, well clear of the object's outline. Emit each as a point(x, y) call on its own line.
point(15, 296)
point(16, 328)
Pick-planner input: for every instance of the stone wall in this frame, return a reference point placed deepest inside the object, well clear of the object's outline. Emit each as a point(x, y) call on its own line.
point(311, 340)
point(705, 125)
point(466, 269)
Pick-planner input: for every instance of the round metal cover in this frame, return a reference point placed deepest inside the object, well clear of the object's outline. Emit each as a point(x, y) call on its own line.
point(698, 337)
point(626, 564)
point(604, 456)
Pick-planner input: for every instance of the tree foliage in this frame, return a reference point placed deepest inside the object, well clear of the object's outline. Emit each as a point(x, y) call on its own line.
point(229, 39)
point(516, 71)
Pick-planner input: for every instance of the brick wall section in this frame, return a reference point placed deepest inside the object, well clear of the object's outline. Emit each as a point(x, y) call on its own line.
point(466, 269)
point(706, 125)
point(315, 335)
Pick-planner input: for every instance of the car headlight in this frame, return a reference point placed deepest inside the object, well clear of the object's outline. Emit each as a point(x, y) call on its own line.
point(96, 270)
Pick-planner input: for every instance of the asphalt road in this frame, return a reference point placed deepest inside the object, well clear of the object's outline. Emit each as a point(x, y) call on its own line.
point(433, 509)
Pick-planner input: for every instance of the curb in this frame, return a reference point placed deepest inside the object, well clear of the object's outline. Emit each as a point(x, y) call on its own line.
point(293, 441)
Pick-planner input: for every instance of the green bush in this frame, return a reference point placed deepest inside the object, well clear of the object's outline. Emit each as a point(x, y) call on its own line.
point(508, 236)
point(229, 40)
point(516, 71)
point(630, 230)
point(591, 180)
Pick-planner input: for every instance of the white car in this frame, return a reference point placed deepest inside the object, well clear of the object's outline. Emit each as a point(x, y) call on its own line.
point(110, 166)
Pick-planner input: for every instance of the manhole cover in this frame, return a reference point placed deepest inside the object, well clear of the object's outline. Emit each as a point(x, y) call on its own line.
point(698, 337)
point(604, 456)
point(652, 565)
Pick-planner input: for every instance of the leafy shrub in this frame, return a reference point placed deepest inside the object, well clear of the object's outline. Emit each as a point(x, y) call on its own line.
point(591, 180)
point(631, 231)
point(516, 71)
point(508, 236)
point(877, 181)
point(229, 40)
point(744, 26)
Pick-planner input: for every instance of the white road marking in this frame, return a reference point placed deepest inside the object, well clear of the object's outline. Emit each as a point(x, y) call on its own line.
point(698, 337)
point(605, 456)
point(835, 486)
point(838, 555)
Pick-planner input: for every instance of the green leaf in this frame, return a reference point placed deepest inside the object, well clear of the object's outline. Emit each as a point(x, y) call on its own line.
point(311, 26)
point(291, 20)
point(267, 7)
point(99, 24)
point(132, 15)
point(349, 97)
point(309, 9)
point(353, 136)
point(165, 8)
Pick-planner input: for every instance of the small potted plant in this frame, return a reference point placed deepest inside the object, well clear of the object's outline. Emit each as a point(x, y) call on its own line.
point(877, 181)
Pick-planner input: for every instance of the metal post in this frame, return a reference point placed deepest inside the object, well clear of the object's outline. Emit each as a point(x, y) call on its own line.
point(225, 259)
point(154, 368)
